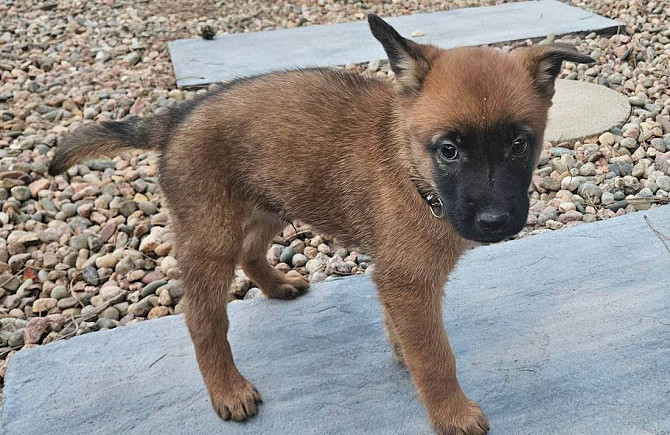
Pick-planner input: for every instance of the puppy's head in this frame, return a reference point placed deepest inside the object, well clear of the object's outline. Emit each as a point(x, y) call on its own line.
point(475, 119)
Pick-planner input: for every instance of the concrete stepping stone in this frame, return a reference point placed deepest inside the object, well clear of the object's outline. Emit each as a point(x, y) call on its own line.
point(582, 110)
point(199, 62)
point(564, 332)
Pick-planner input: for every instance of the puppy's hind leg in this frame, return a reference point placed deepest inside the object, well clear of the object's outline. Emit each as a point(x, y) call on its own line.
point(208, 257)
point(258, 232)
point(392, 337)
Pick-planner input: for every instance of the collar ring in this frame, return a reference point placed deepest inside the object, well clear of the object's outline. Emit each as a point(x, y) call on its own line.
point(436, 206)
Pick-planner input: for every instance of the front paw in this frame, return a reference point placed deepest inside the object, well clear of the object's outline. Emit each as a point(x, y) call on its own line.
point(458, 417)
point(236, 401)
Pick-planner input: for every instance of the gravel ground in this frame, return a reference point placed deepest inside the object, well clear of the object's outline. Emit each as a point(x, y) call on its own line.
point(92, 249)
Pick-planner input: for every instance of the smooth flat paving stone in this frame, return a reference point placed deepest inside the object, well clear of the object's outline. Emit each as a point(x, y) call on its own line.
point(566, 333)
point(199, 62)
point(582, 110)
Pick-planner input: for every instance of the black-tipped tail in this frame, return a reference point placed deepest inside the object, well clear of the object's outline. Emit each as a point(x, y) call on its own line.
point(103, 139)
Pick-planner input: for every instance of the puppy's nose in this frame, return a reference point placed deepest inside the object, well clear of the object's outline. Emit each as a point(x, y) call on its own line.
point(492, 221)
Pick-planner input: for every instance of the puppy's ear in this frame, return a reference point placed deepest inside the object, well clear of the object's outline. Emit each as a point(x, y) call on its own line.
point(543, 62)
point(409, 61)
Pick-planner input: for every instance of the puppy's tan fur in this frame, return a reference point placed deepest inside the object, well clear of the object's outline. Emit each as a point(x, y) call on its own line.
point(233, 173)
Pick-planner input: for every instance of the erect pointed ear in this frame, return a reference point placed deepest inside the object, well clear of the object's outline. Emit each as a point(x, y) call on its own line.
point(543, 62)
point(409, 61)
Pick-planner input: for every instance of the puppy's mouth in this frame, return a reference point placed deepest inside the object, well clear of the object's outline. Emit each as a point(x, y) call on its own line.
point(492, 238)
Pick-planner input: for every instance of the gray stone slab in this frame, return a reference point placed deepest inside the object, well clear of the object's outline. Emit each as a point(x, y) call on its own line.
point(560, 333)
point(198, 61)
point(582, 110)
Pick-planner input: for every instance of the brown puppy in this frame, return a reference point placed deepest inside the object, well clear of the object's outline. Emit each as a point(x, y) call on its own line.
point(445, 156)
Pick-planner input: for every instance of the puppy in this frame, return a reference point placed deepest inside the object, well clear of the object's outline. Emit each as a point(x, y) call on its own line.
point(441, 158)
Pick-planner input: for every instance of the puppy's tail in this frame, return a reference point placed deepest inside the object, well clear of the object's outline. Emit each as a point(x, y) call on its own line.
point(105, 139)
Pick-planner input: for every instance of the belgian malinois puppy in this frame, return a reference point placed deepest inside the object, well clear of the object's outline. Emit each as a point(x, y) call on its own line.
point(441, 158)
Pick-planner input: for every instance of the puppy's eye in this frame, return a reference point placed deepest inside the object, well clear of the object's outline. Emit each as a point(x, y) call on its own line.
point(448, 151)
point(520, 146)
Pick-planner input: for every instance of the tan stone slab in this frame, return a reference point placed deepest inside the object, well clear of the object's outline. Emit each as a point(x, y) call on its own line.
point(583, 110)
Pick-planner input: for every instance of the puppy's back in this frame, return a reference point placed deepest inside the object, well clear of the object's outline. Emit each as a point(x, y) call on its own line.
point(288, 141)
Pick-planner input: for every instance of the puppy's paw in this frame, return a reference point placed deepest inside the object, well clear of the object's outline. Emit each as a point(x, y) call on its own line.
point(292, 286)
point(298, 281)
point(285, 291)
point(237, 403)
point(464, 418)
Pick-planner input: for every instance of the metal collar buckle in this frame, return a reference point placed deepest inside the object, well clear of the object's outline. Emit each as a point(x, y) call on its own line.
point(436, 206)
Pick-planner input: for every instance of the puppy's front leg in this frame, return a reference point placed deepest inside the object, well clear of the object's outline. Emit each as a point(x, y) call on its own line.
point(412, 305)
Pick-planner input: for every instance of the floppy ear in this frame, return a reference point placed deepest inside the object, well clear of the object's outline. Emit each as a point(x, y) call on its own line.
point(543, 62)
point(409, 61)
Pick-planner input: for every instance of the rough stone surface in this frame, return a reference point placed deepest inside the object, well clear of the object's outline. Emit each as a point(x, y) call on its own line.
point(543, 343)
point(581, 110)
point(198, 61)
